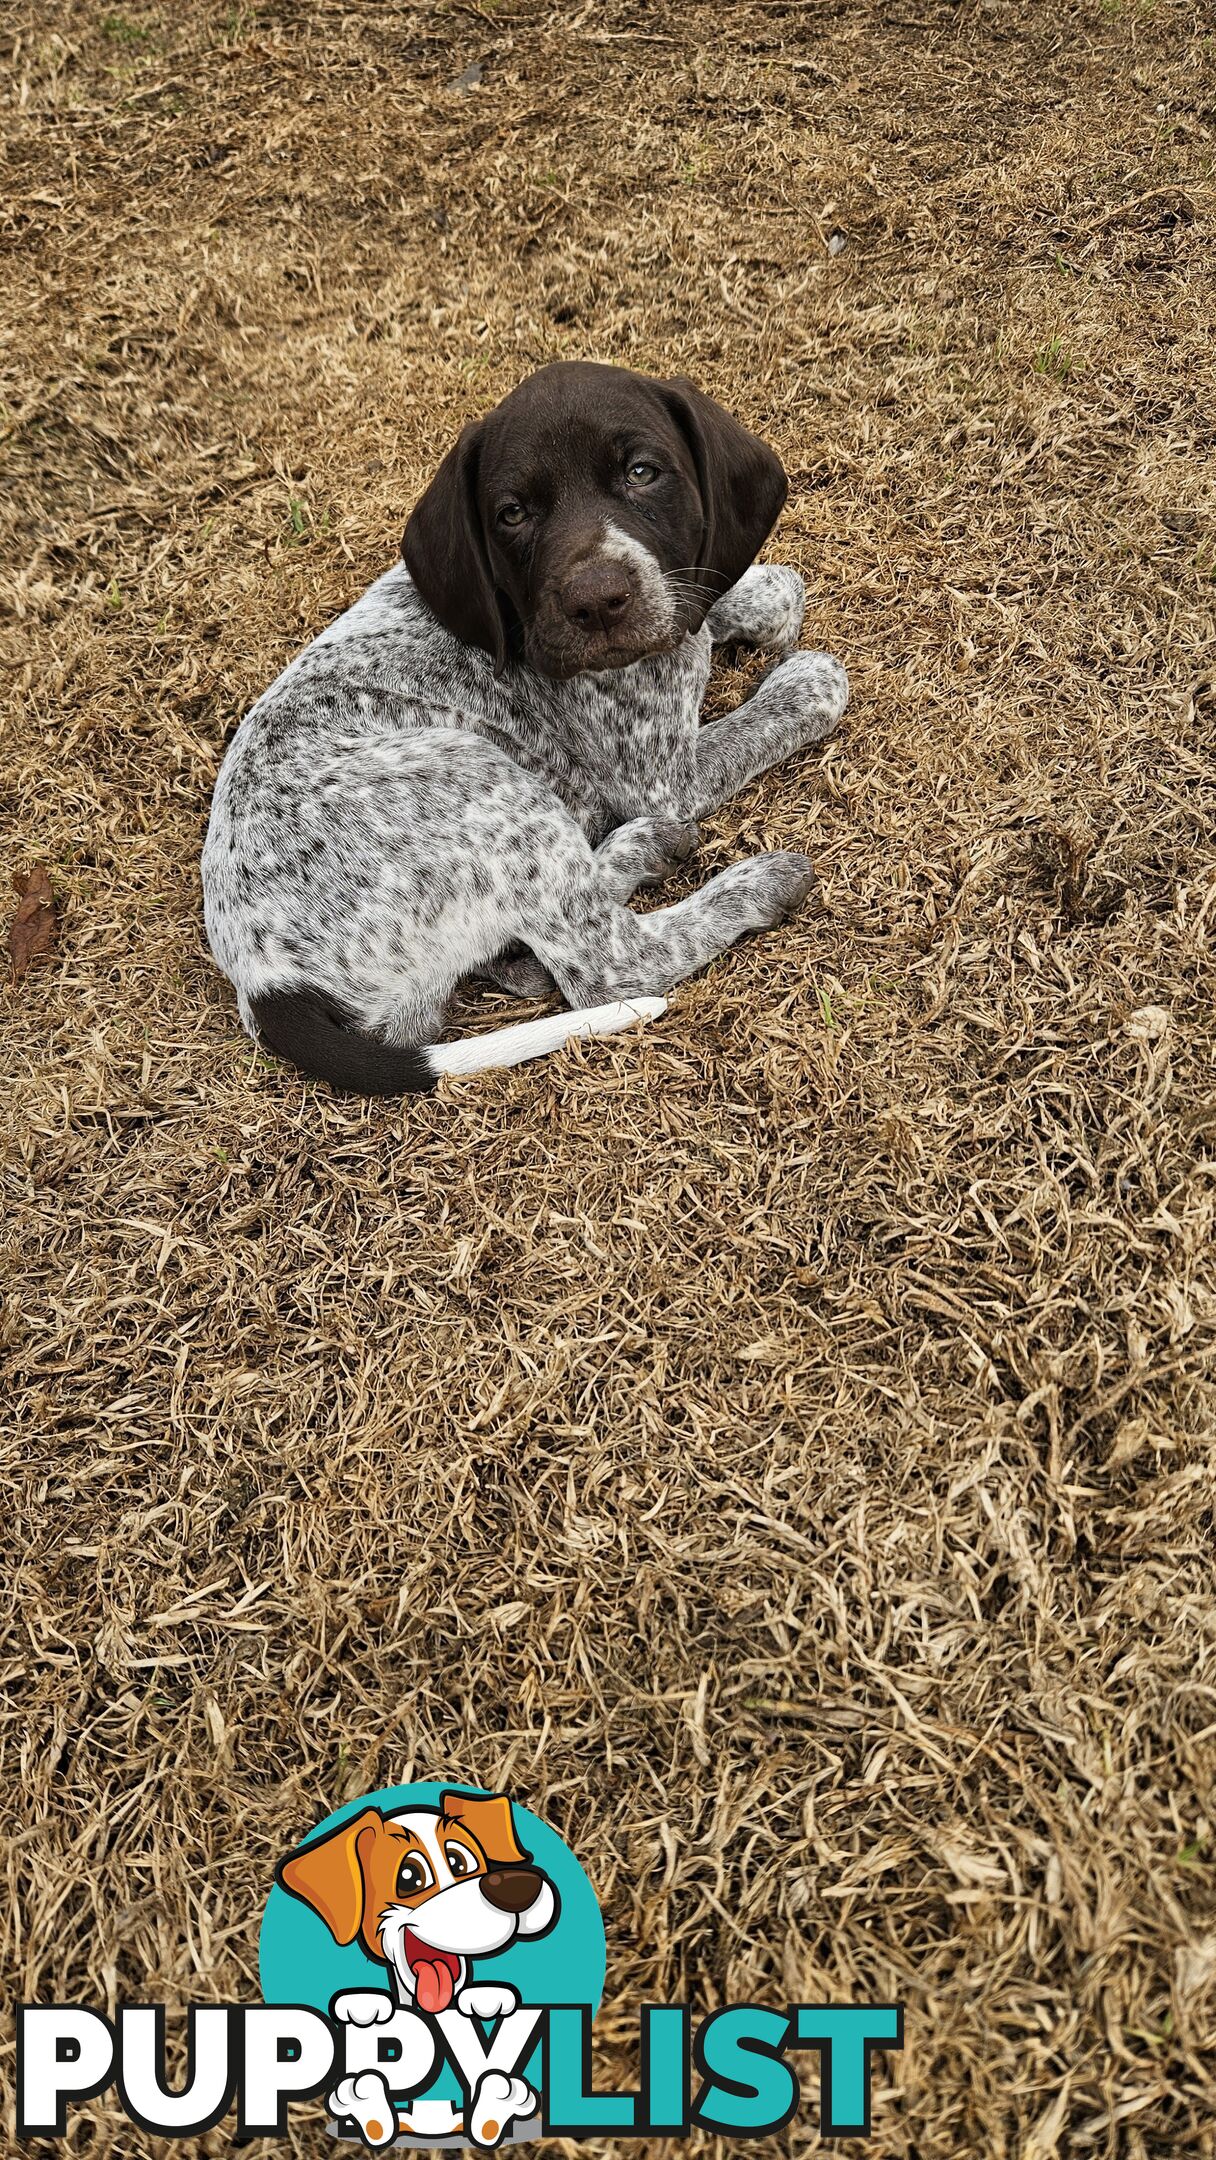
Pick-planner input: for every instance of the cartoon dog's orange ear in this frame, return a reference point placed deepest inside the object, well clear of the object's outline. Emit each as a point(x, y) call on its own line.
point(327, 1875)
point(491, 1822)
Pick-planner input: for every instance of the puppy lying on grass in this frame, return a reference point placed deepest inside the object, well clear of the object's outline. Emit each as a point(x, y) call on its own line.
point(500, 743)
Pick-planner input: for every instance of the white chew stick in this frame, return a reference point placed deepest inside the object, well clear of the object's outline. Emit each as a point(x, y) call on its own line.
point(536, 1038)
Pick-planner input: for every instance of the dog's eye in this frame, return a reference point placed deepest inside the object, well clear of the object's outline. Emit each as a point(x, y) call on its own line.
point(640, 474)
point(413, 1875)
point(460, 1859)
point(512, 514)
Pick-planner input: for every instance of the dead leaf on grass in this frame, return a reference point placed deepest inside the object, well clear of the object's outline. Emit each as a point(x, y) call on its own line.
point(35, 925)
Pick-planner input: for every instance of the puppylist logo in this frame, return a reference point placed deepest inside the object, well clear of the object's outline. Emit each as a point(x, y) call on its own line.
point(431, 1960)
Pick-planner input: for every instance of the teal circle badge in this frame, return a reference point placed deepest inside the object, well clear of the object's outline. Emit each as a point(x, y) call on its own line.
point(439, 1897)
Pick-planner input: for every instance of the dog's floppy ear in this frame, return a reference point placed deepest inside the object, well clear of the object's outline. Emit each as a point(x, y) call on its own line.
point(445, 552)
point(328, 1876)
point(742, 482)
point(491, 1822)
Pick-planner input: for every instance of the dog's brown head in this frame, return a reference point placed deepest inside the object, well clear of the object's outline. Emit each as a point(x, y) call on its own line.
point(591, 519)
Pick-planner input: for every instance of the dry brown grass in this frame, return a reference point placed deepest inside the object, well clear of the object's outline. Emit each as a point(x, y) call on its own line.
point(780, 1448)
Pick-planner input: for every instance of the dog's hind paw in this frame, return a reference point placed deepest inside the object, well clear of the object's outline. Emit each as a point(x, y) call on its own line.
point(522, 975)
point(368, 2102)
point(498, 2102)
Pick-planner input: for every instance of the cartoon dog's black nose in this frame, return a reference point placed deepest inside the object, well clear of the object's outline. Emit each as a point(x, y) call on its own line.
point(511, 1889)
point(597, 597)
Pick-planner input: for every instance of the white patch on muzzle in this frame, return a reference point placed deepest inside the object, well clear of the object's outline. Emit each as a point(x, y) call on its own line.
point(462, 1921)
point(654, 606)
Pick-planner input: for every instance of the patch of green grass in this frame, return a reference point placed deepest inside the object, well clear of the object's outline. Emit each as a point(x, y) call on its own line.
point(122, 31)
point(1054, 359)
point(1154, 2039)
point(303, 526)
point(236, 22)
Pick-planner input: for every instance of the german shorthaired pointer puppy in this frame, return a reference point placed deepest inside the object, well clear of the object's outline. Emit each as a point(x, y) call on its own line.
point(475, 767)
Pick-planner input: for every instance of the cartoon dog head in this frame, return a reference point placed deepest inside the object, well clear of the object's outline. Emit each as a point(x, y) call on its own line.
point(426, 1890)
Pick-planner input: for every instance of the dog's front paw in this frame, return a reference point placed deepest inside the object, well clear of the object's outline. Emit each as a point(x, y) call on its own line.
point(764, 889)
point(498, 2102)
point(813, 687)
point(368, 2102)
point(487, 2000)
point(665, 849)
point(362, 2006)
point(765, 608)
point(790, 879)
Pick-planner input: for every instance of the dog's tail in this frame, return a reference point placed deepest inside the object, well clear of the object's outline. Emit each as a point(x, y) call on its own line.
point(309, 1030)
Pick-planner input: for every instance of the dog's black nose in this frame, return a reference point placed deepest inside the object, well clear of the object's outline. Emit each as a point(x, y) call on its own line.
point(511, 1889)
point(597, 597)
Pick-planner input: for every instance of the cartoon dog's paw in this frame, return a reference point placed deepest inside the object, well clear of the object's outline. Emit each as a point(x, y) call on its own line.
point(362, 2006)
point(487, 2001)
point(498, 2102)
point(367, 2100)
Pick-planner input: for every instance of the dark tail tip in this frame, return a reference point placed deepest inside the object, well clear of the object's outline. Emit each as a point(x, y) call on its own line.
point(313, 1034)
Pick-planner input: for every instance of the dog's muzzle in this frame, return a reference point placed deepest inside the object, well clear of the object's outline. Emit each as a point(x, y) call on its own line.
point(608, 609)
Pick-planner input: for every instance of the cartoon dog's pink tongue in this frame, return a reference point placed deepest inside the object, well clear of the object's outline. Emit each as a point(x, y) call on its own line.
point(433, 1985)
point(434, 1973)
